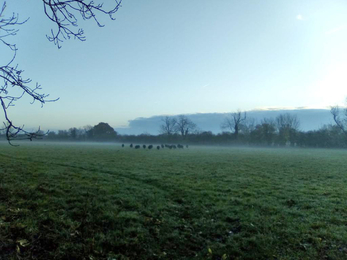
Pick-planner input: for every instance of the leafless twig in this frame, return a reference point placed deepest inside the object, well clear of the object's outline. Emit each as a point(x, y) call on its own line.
point(64, 14)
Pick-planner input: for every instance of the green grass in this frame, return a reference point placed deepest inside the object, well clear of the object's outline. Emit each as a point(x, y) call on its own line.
point(80, 201)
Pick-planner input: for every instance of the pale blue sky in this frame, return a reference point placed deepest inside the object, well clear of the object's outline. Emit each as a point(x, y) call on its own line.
point(176, 57)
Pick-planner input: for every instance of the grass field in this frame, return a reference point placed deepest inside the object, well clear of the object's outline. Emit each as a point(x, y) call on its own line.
point(83, 201)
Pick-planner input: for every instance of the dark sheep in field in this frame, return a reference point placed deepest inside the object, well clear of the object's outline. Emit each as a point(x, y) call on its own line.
point(122, 145)
point(180, 146)
point(131, 145)
point(137, 147)
point(150, 146)
point(158, 147)
point(144, 146)
point(162, 146)
point(167, 146)
point(174, 146)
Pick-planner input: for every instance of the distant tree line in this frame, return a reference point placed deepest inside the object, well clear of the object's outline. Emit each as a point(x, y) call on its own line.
point(100, 132)
point(237, 129)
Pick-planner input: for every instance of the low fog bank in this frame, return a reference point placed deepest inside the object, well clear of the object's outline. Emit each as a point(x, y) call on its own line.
point(295, 128)
point(310, 119)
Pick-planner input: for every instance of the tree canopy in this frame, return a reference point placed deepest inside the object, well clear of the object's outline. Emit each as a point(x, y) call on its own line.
point(103, 131)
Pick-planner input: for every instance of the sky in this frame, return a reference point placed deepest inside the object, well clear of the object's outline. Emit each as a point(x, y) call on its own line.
point(183, 57)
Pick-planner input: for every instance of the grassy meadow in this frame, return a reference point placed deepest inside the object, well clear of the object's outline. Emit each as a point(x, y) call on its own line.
point(102, 201)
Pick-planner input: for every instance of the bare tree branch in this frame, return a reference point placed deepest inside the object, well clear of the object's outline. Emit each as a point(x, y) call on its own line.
point(13, 80)
point(64, 14)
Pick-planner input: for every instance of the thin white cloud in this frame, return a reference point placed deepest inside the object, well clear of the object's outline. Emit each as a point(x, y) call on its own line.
point(336, 29)
point(287, 108)
point(299, 17)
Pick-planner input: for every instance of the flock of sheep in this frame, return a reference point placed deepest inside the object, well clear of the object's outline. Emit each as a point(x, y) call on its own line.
point(162, 146)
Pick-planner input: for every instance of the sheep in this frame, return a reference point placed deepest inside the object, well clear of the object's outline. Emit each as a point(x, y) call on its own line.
point(150, 146)
point(131, 145)
point(144, 146)
point(180, 146)
point(158, 147)
point(137, 147)
point(162, 146)
point(174, 146)
point(122, 145)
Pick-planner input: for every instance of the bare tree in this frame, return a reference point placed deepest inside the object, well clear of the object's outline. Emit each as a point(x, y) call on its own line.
point(267, 130)
point(64, 14)
point(88, 131)
point(184, 125)
point(74, 133)
point(248, 126)
point(287, 121)
point(340, 122)
point(233, 122)
point(169, 125)
point(287, 126)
